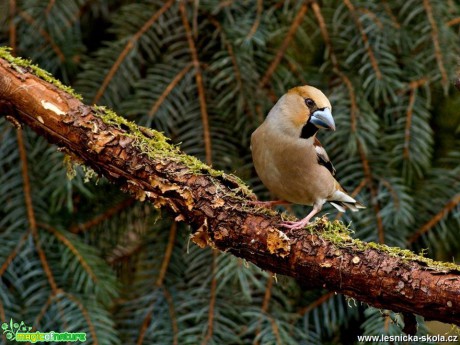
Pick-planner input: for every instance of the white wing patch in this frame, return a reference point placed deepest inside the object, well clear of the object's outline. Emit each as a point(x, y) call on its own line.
point(323, 158)
point(341, 196)
point(341, 201)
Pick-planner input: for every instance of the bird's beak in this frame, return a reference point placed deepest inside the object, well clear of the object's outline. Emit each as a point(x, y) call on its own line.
point(322, 118)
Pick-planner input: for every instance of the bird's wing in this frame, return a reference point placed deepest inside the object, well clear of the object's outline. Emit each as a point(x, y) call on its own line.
point(323, 158)
point(341, 200)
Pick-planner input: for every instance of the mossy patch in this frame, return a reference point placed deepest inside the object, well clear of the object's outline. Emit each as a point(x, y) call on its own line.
point(17, 63)
point(340, 235)
point(157, 146)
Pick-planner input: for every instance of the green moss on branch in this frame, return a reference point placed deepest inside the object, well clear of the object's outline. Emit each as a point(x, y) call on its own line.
point(18, 63)
point(340, 235)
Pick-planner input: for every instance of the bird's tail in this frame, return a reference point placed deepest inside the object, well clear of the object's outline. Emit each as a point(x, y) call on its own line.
point(342, 201)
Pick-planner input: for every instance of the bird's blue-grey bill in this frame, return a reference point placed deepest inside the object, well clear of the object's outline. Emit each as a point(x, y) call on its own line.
point(322, 118)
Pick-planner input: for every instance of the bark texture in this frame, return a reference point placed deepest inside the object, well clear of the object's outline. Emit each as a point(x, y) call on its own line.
point(216, 207)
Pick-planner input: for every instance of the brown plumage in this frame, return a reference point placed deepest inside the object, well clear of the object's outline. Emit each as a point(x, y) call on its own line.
point(290, 160)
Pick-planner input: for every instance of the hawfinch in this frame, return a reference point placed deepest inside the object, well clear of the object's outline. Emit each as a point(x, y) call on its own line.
point(290, 160)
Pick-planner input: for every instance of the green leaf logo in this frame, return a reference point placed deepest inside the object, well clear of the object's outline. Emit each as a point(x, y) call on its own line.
point(13, 328)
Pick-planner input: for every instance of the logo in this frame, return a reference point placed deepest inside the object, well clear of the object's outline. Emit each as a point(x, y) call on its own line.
point(21, 333)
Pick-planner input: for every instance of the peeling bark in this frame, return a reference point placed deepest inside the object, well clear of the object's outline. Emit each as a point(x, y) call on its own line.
point(216, 207)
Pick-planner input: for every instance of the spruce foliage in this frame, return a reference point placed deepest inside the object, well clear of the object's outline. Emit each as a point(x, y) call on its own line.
point(79, 256)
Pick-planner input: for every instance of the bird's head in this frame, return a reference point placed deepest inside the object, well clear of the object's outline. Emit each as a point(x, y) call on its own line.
point(304, 110)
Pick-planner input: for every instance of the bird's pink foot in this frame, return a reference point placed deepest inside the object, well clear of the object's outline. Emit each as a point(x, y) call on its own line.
point(303, 222)
point(295, 225)
point(268, 204)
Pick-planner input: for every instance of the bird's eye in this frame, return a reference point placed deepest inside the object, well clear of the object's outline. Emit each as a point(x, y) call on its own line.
point(309, 102)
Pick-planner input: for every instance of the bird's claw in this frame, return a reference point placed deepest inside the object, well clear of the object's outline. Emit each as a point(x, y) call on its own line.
point(294, 225)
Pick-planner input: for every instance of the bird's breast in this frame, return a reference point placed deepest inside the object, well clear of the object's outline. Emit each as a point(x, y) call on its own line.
point(290, 169)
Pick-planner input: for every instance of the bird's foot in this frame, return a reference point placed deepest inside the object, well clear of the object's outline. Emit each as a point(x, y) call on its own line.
point(268, 204)
point(304, 221)
point(295, 225)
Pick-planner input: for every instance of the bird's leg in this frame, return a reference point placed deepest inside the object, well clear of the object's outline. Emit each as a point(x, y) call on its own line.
point(268, 204)
point(303, 222)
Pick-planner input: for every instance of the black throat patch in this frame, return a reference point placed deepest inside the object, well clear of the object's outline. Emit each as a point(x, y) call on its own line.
point(308, 130)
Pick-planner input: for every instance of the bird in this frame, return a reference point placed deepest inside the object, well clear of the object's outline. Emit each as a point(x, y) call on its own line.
point(289, 159)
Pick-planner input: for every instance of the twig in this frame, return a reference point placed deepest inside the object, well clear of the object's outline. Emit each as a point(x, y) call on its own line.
point(199, 84)
point(364, 37)
point(453, 22)
point(12, 26)
point(393, 193)
point(316, 303)
point(31, 213)
point(287, 40)
point(77, 228)
point(336, 66)
point(72, 248)
point(128, 47)
point(128, 246)
point(212, 299)
point(295, 70)
point(436, 218)
point(387, 323)
point(29, 19)
point(275, 331)
point(167, 256)
point(148, 318)
point(50, 6)
point(225, 3)
point(388, 10)
point(85, 314)
point(13, 254)
point(3, 317)
point(268, 293)
point(265, 303)
point(415, 84)
point(437, 46)
point(407, 131)
point(44, 308)
point(80, 11)
point(257, 21)
point(168, 89)
point(230, 50)
point(373, 191)
point(145, 325)
point(372, 16)
point(172, 314)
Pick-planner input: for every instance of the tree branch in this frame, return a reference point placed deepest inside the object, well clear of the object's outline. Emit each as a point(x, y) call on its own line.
point(143, 163)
